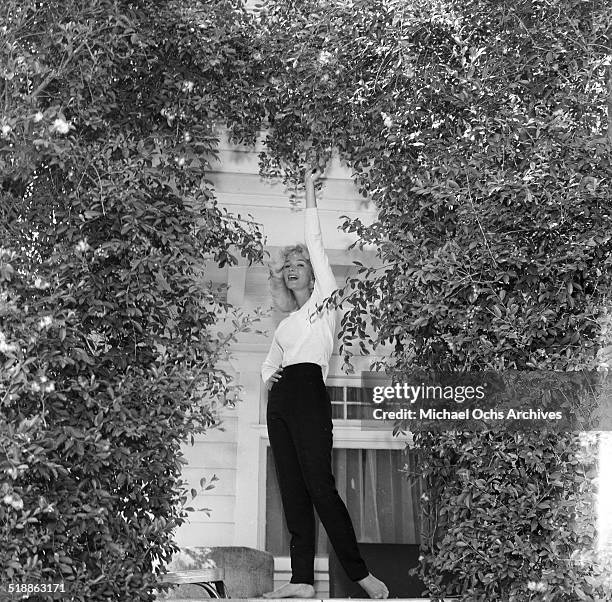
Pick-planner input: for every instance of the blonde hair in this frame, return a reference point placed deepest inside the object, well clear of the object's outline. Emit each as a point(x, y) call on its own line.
point(282, 298)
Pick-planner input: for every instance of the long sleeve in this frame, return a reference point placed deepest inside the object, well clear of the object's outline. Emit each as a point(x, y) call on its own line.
point(325, 281)
point(273, 360)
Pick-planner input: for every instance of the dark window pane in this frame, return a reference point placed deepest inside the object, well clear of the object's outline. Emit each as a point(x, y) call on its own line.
point(363, 394)
point(336, 393)
point(338, 411)
point(358, 411)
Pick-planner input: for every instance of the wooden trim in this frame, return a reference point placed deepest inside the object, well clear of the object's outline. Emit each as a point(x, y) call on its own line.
point(352, 437)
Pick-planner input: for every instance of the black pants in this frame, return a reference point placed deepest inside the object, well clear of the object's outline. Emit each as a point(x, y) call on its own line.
point(300, 431)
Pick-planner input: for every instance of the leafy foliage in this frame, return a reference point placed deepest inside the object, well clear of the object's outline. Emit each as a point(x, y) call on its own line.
point(110, 355)
point(479, 130)
point(482, 132)
point(510, 517)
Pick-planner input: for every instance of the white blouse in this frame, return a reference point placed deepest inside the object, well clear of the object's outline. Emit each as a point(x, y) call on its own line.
point(306, 335)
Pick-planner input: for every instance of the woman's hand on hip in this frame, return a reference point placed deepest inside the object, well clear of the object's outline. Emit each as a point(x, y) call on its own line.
point(274, 378)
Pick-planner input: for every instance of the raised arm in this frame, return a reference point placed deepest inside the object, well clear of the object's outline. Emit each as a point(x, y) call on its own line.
point(325, 282)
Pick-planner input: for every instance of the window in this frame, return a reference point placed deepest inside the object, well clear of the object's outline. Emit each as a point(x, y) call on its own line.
point(350, 402)
point(382, 501)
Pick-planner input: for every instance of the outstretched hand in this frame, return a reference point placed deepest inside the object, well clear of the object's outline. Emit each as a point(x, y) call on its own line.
point(313, 174)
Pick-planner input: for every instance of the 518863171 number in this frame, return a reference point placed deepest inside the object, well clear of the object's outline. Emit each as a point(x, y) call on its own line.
point(35, 588)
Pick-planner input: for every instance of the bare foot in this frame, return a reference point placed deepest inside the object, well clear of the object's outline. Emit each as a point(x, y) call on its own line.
point(375, 588)
point(292, 590)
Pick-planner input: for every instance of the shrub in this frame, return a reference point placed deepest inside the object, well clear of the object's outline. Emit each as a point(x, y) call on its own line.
point(510, 516)
point(110, 354)
point(479, 130)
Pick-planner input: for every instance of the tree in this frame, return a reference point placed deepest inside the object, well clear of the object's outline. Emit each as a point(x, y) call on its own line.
point(109, 352)
point(479, 130)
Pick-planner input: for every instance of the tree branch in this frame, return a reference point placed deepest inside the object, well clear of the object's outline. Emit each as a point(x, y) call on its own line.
point(608, 78)
point(54, 74)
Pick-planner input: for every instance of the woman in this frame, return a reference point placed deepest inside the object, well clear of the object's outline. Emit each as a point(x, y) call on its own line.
point(299, 412)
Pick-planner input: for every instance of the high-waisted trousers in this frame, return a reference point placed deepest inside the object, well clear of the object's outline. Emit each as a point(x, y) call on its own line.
point(300, 432)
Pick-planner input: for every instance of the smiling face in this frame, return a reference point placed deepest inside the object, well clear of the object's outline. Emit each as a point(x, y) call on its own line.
point(297, 272)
